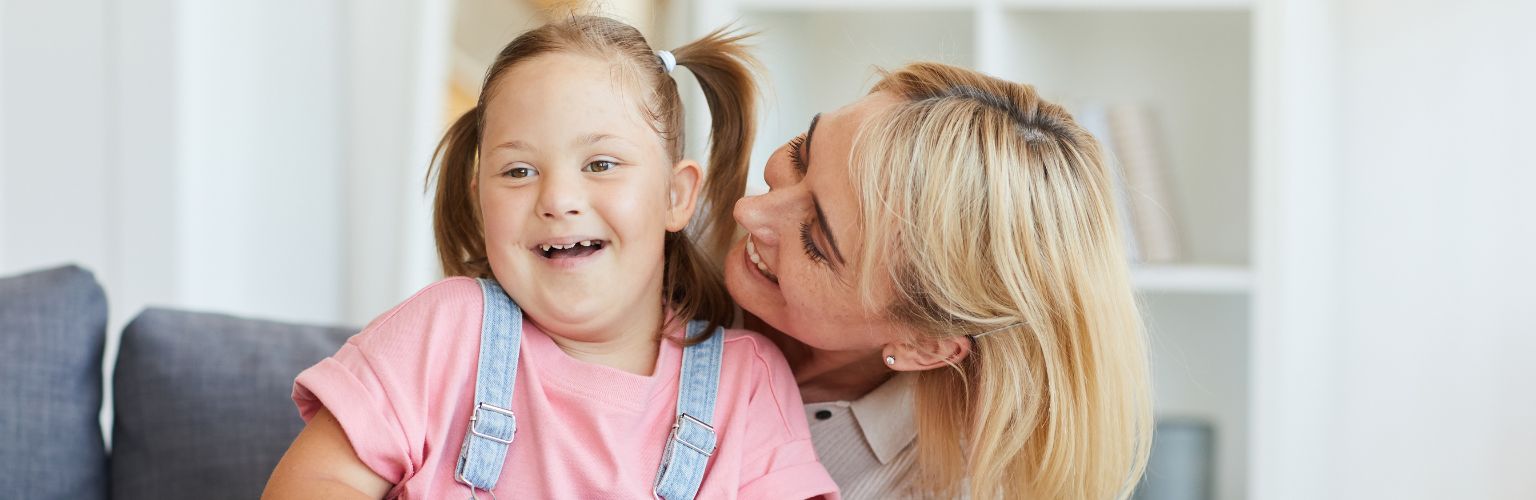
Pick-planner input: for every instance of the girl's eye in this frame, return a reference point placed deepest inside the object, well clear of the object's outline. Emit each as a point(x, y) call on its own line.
point(810, 246)
point(600, 166)
point(794, 153)
point(520, 172)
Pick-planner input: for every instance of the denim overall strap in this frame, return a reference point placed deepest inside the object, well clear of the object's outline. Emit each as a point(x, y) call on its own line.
point(491, 423)
point(693, 436)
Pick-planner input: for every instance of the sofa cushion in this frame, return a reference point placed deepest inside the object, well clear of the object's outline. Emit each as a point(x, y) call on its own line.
point(203, 402)
point(53, 324)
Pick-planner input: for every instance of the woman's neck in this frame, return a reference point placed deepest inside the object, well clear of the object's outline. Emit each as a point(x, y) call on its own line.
point(826, 375)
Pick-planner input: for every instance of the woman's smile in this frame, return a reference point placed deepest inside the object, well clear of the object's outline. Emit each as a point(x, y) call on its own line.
point(758, 262)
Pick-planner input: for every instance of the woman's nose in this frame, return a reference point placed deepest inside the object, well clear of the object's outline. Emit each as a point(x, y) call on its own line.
point(763, 214)
point(757, 214)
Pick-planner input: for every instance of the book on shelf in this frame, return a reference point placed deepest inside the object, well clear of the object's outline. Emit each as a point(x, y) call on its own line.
point(1131, 143)
point(1094, 118)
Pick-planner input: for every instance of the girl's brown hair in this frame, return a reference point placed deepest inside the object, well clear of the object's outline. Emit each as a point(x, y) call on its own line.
point(719, 62)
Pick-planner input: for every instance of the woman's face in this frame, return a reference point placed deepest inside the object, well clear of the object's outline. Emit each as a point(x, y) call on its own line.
point(794, 269)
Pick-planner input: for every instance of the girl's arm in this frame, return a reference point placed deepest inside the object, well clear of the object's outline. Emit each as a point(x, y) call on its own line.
point(321, 464)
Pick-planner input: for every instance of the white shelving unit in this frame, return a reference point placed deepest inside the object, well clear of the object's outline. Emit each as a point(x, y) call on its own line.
point(1189, 61)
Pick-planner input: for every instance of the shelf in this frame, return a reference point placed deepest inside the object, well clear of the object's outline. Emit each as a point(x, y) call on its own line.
point(822, 60)
point(1187, 63)
point(1066, 5)
point(1191, 278)
point(850, 5)
point(1189, 70)
point(1128, 5)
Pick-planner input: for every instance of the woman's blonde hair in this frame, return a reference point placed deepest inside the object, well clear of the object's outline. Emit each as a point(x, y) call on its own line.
point(1005, 220)
point(720, 63)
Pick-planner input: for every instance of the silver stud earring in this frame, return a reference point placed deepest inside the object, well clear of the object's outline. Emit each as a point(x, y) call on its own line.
point(890, 360)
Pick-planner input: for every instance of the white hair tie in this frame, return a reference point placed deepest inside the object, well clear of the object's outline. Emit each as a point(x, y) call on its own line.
point(668, 61)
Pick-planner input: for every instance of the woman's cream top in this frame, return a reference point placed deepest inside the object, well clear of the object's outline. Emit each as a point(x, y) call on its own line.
point(867, 444)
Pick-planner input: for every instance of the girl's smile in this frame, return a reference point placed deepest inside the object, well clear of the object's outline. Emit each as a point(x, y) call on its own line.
point(570, 252)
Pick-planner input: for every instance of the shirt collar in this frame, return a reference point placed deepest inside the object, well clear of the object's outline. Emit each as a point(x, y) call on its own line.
point(885, 416)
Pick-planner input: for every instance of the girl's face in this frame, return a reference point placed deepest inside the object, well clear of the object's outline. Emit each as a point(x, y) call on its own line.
point(793, 269)
point(576, 193)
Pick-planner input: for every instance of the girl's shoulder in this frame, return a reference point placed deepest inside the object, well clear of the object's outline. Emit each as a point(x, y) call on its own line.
point(454, 295)
point(432, 314)
point(752, 345)
point(756, 361)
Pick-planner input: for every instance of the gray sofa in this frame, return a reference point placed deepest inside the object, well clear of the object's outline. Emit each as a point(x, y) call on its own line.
point(201, 401)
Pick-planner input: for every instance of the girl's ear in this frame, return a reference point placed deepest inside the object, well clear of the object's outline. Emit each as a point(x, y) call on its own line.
point(926, 354)
point(683, 193)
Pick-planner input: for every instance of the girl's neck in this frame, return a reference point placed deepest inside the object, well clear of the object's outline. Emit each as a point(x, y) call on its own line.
point(826, 375)
point(631, 346)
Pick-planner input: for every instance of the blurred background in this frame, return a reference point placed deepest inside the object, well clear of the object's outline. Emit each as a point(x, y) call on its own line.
point(1329, 200)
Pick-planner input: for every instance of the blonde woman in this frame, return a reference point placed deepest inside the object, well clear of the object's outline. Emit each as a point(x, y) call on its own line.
point(941, 264)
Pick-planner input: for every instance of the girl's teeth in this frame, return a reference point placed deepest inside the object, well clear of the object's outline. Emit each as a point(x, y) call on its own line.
point(585, 243)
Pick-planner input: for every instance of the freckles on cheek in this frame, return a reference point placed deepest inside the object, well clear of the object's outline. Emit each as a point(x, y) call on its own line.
point(805, 304)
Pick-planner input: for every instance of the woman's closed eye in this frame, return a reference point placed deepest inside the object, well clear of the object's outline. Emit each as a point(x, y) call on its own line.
point(811, 249)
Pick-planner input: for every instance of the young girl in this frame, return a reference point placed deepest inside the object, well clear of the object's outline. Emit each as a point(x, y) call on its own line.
point(558, 362)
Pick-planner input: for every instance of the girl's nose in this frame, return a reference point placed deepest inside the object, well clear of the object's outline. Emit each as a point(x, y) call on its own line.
point(560, 197)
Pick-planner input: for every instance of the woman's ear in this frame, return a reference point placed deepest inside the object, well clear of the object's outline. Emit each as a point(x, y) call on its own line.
point(926, 354)
point(683, 193)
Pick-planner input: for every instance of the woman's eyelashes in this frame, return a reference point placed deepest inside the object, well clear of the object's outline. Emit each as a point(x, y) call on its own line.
point(795, 157)
point(811, 250)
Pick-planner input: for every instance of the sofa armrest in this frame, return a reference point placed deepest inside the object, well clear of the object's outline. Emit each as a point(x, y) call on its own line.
point(52, 328)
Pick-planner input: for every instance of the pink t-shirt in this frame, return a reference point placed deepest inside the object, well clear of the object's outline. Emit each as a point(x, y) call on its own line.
point(403, 387)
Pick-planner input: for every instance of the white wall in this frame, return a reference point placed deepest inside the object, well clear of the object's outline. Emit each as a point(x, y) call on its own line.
point(1394, 334)
point(253, 158)
point(262, 159)
point(2, 131)
point(261, 149)
point(56, 120)
point(396, 65)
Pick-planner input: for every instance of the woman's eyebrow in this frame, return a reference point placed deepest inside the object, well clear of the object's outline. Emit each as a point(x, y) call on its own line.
point(805, 148)
point(821, 220)
point(821, 217)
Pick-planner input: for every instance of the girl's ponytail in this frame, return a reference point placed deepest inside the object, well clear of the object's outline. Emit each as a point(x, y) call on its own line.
point(723, 68)
point(455, 219)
